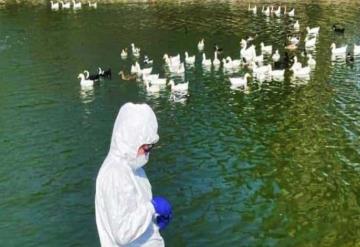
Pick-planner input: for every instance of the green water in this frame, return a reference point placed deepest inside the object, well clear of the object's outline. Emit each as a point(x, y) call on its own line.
point(277, 165)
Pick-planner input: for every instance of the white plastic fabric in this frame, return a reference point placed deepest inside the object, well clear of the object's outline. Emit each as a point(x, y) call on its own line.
point(124, 212)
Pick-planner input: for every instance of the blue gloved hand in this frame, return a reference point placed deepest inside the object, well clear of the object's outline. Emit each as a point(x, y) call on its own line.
point(163, 210)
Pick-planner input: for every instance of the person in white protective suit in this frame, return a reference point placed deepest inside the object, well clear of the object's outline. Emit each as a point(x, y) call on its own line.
point(125, 214)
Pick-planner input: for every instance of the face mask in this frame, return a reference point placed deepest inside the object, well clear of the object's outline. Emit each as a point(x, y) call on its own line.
point(140, 161)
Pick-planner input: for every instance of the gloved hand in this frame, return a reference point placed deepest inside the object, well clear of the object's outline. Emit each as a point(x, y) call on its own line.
point(163, 211)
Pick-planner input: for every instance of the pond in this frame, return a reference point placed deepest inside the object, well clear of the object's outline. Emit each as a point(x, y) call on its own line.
point(277, 164)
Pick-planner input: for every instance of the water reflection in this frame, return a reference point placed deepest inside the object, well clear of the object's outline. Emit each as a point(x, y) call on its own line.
point(341, 59)
point(303, 80)
point(274, 165)
point(87, 94)
point(242, 89)
point(179, 97)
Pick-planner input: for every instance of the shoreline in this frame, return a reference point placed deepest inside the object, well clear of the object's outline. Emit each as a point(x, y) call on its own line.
point(5, 3)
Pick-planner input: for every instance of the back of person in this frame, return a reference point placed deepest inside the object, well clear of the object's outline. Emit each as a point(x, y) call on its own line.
point(124, 211)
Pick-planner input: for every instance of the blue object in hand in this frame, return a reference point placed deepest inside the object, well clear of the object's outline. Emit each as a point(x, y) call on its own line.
point(163, 210)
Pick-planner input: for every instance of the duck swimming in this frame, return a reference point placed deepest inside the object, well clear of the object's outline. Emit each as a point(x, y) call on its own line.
point(94, 77)
point(124, 53)
point(127, 77)
point(84, 82)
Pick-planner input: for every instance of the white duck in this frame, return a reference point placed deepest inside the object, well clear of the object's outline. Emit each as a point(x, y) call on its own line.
point(175, 59)
point(205, 62)
point(216, 62)
point(356, 49)
point(177, 69)
point(276, 73)
point(260, 70)
point(227, 65)
point(235, 63)
point(310, 42)
point(262, 77)
point(182, 87)
point(291, 13)
point(248, 54)
point(84, 82)
point(100, 71)
point(124, 53)
point(311, 61)
point(201, 45)
point(301, 72)
point(65, 5)
point(313, 31)
point(259, 59)
point(266, 48)
point(54, 6)
point(272, 9)
point(150, 77)
point(297, 25)
point(243, 43)
point(135, 50)
point(239, 81)
point(152, 88)
point(93, 5)
point(338, 51)
point(296, 64)
point(172, 61)
point(278, 12)
point(167, 60)
point(189, 59)
point(253, 9)
point(76, 5)
point(134, 68)
point(266, 11)
point(276, 56)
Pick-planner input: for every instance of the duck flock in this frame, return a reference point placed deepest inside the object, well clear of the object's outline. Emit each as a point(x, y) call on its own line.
point(266, 66)
point(55, 6)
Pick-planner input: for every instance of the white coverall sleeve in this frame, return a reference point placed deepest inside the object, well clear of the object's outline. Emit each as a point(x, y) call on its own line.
point(128, 214)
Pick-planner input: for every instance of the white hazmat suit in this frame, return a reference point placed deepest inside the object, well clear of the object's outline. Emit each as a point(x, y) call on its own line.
point(124, 212)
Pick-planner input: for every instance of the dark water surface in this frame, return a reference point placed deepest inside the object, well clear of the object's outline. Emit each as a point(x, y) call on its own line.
point(277, 165)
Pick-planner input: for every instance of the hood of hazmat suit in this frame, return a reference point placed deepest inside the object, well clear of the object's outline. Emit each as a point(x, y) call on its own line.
point(124, 212)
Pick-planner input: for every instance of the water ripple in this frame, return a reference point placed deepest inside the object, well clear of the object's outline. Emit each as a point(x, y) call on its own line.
point(275, 165)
